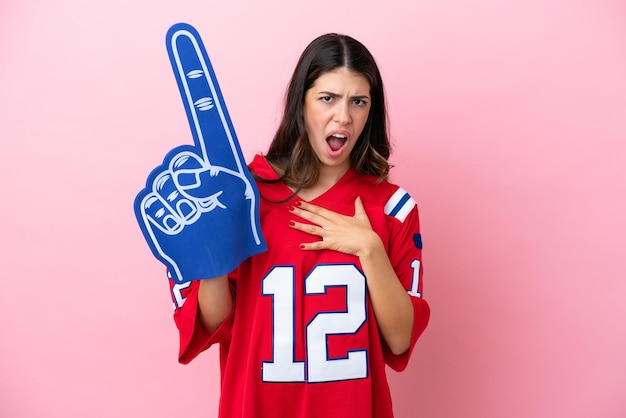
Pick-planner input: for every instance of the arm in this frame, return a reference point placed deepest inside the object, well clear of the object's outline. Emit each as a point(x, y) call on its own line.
point(192, 325)
point(215, 302)
point(354, 235)
point(391, 303)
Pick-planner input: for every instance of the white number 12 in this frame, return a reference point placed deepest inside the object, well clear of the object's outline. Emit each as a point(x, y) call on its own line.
point(279, 283)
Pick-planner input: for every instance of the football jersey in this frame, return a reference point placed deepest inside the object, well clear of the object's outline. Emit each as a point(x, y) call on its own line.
point(302, 340)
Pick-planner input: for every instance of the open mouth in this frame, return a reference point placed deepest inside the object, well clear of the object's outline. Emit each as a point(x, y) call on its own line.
point(336, 141)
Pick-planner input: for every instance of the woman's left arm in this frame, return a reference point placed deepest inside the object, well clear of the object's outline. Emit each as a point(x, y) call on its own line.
point(354, 235)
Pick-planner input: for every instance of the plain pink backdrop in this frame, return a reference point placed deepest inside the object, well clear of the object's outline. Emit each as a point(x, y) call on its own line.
point(509, 122)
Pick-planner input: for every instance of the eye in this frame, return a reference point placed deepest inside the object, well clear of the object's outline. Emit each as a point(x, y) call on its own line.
point(359, 102)
point(326, 99)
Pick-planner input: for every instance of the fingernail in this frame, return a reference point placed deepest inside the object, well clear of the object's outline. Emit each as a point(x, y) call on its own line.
point(291, 223)
point(301, 246)
point(290, 208)
point(298, 203)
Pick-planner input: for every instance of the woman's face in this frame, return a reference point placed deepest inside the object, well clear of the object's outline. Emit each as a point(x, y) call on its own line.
point(336, 108)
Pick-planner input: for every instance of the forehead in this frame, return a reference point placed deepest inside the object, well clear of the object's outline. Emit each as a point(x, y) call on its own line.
point(340, 80)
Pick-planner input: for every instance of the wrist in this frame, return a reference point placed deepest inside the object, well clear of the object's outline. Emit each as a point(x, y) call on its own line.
point(372, 246)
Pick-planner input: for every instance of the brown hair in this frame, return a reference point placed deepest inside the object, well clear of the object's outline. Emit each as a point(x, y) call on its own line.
point(290, 152)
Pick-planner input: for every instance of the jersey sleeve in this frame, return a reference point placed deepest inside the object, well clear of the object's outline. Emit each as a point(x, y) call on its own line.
point(405, 254)
point(194, 339)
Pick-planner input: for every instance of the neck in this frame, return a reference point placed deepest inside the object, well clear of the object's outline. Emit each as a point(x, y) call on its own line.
point(329, 176)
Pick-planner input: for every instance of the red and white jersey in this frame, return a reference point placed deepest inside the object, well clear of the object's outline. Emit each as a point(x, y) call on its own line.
point(303, 340)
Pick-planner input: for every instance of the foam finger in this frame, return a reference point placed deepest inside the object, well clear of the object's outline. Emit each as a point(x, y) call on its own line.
point(180, 209)
point(209, 120)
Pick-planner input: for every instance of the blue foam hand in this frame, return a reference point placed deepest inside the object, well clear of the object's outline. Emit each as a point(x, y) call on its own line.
point(199, 211)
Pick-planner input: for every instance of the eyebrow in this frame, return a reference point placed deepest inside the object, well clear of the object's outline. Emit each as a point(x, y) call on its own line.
point(331, 94)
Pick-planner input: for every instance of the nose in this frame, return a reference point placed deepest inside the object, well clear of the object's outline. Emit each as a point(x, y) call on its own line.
point(342, 114)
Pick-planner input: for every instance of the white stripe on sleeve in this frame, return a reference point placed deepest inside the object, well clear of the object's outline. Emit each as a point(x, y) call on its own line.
point(399, 205)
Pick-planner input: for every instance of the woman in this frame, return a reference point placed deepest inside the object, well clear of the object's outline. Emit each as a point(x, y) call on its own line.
point(306, 328)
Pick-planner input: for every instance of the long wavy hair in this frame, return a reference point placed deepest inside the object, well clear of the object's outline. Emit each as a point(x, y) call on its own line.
point(290, 152)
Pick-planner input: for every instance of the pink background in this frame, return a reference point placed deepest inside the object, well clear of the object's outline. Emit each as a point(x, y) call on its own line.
point(509, 121)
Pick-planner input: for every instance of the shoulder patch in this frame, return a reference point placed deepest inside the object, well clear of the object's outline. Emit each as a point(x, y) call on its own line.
point(399, 205)
point(417, 240)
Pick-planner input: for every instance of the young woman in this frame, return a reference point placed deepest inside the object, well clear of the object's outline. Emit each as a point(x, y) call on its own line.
point(306, 328)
